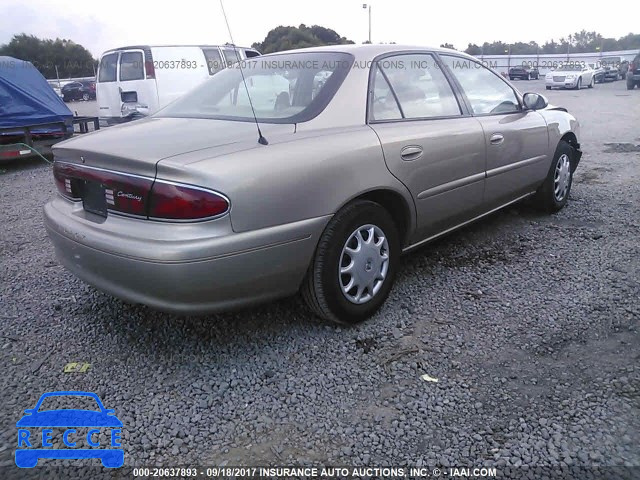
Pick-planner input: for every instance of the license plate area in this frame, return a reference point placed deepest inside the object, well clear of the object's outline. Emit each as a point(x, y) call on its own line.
point(93, 198)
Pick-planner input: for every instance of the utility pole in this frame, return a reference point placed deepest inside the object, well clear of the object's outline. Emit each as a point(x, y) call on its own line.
point(368, 6)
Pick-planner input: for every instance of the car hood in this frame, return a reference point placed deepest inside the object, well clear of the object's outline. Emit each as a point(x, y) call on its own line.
point(69, 418)
point(138, 146)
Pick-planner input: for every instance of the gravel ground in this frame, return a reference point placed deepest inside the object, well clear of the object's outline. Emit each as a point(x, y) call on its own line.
point(529, 322)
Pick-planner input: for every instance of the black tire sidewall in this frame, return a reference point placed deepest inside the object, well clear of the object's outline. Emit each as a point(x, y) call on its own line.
point(365, 213)
point(554, 204)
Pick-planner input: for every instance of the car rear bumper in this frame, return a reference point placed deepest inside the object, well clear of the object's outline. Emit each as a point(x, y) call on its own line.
point(185, 276)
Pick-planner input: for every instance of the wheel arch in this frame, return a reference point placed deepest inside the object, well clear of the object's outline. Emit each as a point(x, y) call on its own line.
point(396, 204)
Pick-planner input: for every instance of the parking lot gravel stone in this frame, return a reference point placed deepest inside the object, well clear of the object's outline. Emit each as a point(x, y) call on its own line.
point(529, 323)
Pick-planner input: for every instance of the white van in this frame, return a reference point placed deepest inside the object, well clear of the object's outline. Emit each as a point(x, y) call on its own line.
point(137, 81)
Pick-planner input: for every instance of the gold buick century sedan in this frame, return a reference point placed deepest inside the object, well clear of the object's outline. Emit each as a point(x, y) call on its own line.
point(311, 170)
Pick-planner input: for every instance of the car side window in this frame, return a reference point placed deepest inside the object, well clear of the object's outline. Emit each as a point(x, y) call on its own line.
point(487, 92)
point(383, 102)
point(107, 68)
point(420, 86)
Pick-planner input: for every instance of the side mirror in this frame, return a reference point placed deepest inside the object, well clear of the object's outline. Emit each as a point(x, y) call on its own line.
point(534, 101)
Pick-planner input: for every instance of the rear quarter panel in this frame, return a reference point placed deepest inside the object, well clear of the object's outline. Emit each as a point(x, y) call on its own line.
point(301, 176)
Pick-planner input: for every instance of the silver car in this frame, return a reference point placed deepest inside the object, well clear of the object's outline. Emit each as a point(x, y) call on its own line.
point(355, 155)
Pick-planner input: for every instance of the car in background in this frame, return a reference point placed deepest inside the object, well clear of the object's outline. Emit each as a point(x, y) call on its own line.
point(134, 82)
point(633, 73)
point(210, 204)
point(523, 72)
point(615, 67)
point(56, 87)
point(598, 72)
point(570, 75)
point(79, 90)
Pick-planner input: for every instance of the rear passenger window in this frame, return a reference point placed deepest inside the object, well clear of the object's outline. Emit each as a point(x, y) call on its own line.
point(420, 86)
point(107, 68)
point(131, 66)
point(383, 102)
point(214, 60)
point(251, 53)
point(230, 56)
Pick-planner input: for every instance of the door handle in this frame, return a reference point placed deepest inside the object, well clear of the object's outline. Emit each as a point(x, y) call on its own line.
point(496, 139)
point(411, 152)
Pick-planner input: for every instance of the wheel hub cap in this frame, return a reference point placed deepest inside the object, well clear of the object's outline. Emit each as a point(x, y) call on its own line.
point(562, 177)
point(364, 263)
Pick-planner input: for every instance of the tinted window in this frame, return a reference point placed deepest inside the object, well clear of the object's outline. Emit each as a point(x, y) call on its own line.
point(107, 68)
point(487, 92)
point(251, 53)
point(230, 56)
point(214, 60)
point(284, 88)
point(383, 103)
point(131, 66)
point(420, 86)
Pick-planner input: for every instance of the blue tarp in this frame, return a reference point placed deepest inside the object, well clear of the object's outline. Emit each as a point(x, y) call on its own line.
point(26, 98)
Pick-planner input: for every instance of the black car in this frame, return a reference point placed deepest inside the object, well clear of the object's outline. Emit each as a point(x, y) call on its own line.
point(524, 72)
point(633, 74)
point(79, 90)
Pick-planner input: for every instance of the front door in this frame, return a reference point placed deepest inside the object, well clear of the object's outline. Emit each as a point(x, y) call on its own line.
point(516, 140)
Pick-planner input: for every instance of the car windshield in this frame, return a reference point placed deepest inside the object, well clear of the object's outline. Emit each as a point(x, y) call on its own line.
point(66, 402)
point(283, 88)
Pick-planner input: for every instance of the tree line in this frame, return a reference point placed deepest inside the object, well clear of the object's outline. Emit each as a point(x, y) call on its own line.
point(73, 60)
point(580, 42)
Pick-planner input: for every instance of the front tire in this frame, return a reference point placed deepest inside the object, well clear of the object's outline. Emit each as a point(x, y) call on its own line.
point(593, 81)
point(548, 88)
point(579, 84)
point(355, 264)
point(554, 191)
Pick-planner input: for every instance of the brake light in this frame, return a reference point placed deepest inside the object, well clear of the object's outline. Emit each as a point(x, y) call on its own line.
point(123, 193)
point(170, 201)
point(141, 196)
point(149, 69)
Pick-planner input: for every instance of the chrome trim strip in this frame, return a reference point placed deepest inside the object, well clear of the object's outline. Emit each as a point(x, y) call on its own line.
point(513, 166)
point(437, 235)
point(461, 182)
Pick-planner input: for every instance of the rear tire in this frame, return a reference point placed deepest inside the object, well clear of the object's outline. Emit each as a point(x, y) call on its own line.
point(85, 97)
point(548, 88)
point(324, 287)
point(554, 191)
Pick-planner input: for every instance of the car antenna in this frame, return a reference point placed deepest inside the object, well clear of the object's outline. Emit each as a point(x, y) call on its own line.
point(261, 139)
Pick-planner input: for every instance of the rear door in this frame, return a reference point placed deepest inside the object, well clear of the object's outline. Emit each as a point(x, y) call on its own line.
point(107, 89)
point(430, 143)
point(517, 141)
point(136, 87)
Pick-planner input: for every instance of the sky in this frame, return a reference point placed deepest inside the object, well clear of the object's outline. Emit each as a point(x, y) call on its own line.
point(102, 25)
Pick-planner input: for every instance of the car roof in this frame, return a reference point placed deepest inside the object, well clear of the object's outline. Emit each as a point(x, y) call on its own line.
point(365, 52)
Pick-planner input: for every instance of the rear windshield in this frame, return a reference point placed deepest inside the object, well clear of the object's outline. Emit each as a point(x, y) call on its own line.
point(284, 88)
point(131, 66)
point(107, 68)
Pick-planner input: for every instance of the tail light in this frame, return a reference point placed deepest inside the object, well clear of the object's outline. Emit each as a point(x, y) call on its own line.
point(141, 196)
point(123, 193)
point(149, 69)
point(170, 201)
